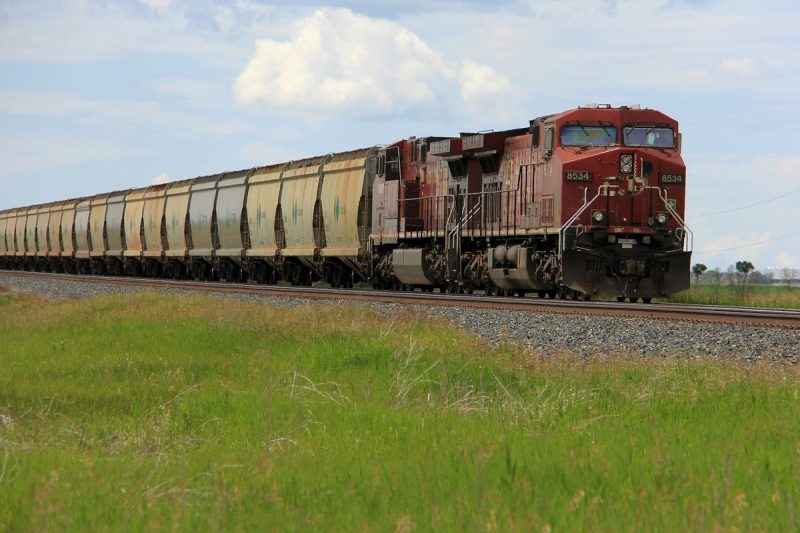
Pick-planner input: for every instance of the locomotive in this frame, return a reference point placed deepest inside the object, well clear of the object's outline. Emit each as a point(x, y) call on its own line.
point(588, 202)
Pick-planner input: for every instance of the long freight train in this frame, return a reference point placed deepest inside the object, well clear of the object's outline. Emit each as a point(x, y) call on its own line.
point(582, 203)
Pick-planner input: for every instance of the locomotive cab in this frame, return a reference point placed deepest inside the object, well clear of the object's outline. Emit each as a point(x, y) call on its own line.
point(623, 189)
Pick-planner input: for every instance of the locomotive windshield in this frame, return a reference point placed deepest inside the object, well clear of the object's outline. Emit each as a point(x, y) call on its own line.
point(580, 135)
point(658, 137)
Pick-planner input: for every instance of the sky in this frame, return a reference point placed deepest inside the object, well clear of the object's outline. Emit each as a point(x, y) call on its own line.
point(104, 95)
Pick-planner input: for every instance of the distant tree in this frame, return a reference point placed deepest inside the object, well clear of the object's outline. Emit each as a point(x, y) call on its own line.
point(789, 273)
point(698, 270)
point(743, 268)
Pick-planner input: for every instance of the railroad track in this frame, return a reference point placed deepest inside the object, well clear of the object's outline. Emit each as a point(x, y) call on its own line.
point(786, 318)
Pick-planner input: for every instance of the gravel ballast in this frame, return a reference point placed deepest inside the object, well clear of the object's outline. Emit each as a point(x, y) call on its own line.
point(545, 333)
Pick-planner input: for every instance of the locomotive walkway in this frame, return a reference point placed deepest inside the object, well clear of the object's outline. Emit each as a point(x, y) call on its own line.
point(786, 318)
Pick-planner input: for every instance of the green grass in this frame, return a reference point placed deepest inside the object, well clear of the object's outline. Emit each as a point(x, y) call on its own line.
point(145, 412)
point(755, 296)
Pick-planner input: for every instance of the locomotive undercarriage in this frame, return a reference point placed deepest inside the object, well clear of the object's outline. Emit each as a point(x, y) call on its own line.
point(505, 268)
point(622, 265)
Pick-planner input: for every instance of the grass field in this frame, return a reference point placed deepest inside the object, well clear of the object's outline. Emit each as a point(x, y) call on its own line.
point(755, 296)
point(149, 412)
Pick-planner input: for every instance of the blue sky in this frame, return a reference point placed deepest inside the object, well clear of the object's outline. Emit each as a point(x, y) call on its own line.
point(104, 95)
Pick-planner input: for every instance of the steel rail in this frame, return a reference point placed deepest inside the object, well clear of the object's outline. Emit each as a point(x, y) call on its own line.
point(787, 318)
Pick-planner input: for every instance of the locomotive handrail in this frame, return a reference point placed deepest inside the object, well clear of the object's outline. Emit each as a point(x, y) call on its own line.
point(676, 216)
point(562, 233)
point(688, 246)
point(469, 215)
point(449, 201)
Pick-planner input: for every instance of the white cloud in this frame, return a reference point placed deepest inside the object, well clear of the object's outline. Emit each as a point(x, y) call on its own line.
point(123, 114)
point(740, 66)
point(50, 158)
point(24, 154)
point(196, 92)
point(783, 259)
point(339, 61)
point(161, 178)
point(260, 153)
point(724, 250)
point(86, 31)
point(482, 82)
point(784, 169)
point(573, 49)
point(157, 4)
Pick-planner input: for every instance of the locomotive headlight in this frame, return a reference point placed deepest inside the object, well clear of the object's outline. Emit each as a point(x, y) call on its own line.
point(661, 219)
point(626, 163)
point(598, 217)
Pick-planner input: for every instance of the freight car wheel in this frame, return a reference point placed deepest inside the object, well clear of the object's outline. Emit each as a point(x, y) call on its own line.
point(647, 300)
point(633, 299)
point(620, 299)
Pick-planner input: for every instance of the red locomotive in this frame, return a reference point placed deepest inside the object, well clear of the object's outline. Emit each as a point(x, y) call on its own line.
point(586, 202)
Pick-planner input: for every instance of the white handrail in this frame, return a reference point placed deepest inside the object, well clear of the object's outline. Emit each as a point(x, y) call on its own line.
point(677, 217)
point(688, 245)
point(563, 231)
